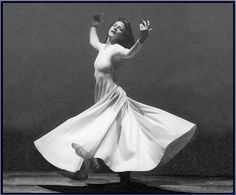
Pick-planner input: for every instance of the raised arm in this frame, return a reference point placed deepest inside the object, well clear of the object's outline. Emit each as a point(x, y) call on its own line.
point(144, 32)
point(93, 37)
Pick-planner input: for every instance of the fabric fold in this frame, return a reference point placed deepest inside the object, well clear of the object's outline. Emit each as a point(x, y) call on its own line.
point(127, 135)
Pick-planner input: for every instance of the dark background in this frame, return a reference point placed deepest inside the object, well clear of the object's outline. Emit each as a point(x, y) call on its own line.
point(185, 68)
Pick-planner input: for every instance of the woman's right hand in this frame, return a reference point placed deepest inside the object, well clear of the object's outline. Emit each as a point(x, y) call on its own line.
point(97, 19)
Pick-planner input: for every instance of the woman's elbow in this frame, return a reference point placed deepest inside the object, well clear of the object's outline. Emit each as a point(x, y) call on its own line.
point(92, 43)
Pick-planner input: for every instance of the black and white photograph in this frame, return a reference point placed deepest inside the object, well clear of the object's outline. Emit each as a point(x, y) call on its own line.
point(117, 97)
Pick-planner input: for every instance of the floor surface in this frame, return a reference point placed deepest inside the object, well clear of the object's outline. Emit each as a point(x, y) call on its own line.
point(56, 182)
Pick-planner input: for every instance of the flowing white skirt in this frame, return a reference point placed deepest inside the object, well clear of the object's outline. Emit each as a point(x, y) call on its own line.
point(125, 134)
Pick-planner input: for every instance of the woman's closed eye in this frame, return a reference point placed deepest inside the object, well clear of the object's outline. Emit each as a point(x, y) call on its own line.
point(120, 28)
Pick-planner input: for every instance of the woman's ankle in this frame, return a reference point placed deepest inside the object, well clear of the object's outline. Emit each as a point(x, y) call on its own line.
point(124, 176)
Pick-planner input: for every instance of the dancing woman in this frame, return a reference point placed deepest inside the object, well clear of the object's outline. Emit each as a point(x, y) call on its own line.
point(127, 135)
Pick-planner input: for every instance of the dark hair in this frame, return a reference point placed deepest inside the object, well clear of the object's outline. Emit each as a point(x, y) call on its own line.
point(127, 39)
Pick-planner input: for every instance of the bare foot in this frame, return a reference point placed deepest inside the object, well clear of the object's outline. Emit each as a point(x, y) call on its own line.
point(80, 151)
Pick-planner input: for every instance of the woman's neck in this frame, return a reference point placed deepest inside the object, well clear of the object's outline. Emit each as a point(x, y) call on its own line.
point(110, 41)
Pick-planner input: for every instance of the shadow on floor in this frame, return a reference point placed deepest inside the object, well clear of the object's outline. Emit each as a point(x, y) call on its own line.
point(131, 187)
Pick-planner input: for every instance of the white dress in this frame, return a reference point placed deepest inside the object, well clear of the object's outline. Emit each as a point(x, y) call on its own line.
point(127, 135)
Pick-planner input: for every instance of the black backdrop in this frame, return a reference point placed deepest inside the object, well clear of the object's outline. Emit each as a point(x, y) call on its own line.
point(185, 68)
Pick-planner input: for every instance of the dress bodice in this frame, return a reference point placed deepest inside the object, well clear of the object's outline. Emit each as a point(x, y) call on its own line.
point(104, 64)
point(104, 73)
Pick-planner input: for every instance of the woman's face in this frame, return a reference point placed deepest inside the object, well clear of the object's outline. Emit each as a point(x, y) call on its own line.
point(116, 30)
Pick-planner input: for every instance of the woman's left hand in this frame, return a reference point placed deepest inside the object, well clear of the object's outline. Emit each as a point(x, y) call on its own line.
point(144, 30)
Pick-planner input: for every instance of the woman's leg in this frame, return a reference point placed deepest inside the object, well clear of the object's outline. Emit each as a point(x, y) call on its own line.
point(95, 164)
point(124, 177)
point(82, 174)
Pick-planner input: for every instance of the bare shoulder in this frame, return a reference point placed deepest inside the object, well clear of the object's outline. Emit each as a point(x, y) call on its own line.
point(112, 48)
point(116, 50)
point(118, 47)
